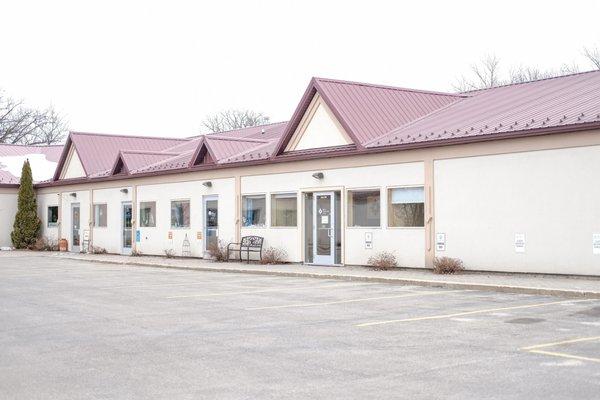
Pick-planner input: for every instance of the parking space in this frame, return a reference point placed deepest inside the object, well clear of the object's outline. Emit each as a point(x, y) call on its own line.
point(73, 329)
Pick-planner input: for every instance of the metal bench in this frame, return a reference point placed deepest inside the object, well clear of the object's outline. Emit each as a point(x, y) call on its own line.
point(249, 244)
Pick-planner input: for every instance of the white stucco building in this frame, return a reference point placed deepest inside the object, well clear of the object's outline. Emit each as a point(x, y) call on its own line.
point(505, 179)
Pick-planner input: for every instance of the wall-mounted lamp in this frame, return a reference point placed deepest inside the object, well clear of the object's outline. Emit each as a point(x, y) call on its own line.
point(207, 184)
point(73, 194)
point(318, 175)
point(124, 190)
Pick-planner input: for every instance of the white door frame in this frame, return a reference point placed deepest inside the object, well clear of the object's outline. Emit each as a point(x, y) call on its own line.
point(205, 228)
point(126, 250)
point(75, 249)
point(324, 259)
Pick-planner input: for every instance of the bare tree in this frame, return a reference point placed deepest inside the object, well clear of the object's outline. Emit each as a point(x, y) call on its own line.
point(593, 55)
point(487, 74)
point(233, 119)
point(20, 124)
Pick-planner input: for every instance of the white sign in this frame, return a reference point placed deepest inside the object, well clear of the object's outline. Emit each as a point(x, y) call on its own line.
point(440, 241)
point(324, 219)
point(596, 243)
point(368, 240)
point(520, 242)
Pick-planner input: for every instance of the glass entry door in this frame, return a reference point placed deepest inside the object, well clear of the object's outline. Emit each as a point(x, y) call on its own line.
point(126, 225)
point(211, 221)
point(75, 228)
point(324, 227)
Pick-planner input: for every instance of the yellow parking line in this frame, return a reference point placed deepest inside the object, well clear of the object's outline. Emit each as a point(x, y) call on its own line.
point(539, 346)
point(253, 291)
point(536, 349)
point(412, 294)
point(565, 355)
point(460, 314)
point(187, 283)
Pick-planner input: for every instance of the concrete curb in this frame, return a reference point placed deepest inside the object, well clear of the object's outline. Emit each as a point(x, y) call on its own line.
point(575, 294)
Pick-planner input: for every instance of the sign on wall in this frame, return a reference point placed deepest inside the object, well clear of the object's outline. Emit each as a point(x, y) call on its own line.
point(170, 236)
point(520, 242)
point(596, 243)
point(138, 236)
point(440, 242)
point(368, 240)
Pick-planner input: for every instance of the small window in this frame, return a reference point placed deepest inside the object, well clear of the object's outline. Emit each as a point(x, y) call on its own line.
point(100, 215)
point(148, 214)
point(180, 214)
point(254, 209)
point(406, 207)
point(364, 208)
point(283, 209)
point(52, 216)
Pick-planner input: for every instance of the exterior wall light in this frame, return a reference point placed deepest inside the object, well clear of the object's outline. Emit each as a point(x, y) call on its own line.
point(207, 184)
point(124, 190)
point(318, 175)
point(73, 194)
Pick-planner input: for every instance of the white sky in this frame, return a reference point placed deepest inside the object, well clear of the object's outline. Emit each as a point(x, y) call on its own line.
point(158, 67)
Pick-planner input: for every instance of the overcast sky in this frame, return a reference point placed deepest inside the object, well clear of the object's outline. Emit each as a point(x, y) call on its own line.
point(158, 67)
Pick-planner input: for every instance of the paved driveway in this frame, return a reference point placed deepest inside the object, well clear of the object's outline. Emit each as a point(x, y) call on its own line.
point(73, 329)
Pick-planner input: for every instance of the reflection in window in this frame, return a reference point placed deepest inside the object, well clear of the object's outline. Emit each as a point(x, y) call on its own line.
point(406, 207)
point(180, 214)
point(52, 216)
point(100, 215)
point(283, 209)
point(148, 214)
point(364, 208)
point(254, 209)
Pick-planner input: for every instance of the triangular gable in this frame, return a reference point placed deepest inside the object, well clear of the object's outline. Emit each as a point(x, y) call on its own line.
point(119, 167)
point(340, 133)
point(202, 155)
point(71, 167)
point(318, 128)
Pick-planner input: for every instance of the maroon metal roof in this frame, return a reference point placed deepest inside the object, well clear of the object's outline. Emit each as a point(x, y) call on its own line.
point(543, 104)
point(378, 118)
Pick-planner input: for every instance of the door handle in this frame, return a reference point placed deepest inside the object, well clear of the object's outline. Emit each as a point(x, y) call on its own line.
point(329, 230)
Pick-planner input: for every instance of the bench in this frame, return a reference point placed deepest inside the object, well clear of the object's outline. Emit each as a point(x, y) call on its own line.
point(249, 244)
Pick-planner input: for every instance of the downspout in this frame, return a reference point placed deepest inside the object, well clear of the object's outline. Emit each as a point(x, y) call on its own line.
point(238, 208)
point(429, 213)
point(91, 238)
point(59, 194)
point(133, 218)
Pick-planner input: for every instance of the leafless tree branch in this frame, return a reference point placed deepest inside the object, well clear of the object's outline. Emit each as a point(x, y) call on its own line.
point(593, 56)
point(233, 119)
point(20, 124)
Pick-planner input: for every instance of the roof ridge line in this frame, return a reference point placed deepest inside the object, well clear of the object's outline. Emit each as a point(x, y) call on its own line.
point(126, 136)
point(411, 123)
point(399, 88)
point(532, 81)
point(237, 129)
point(149, 152)
point(146, 167)
point(240, 139)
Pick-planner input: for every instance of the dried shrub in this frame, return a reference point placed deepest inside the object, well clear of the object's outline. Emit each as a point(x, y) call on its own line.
point(447, 265)
point(217, 251)
point(136, 253)
point(170, 253)
point(98, 250)
point(44, 244)
point(382, 261)
point(273, 255)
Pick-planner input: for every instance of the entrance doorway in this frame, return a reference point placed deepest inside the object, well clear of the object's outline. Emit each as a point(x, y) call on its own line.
point(211, 221)
point(75, 228)
point(322, 228)
point(126, 217)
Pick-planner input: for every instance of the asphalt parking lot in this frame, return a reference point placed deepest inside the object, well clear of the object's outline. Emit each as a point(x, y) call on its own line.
point(73, 330)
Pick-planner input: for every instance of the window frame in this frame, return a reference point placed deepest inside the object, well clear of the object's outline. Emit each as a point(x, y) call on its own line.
point(388, 203)
point(348, 206)
point(271, 205)
point(155, 213)
point(171, 213)
point(48, 223)
point(266, 217)
point(94, 205)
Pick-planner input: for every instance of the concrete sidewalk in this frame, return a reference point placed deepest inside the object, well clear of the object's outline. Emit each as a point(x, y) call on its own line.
point(553, 285)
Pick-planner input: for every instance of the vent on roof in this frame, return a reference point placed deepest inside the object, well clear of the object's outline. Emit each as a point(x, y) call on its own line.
point(203, 157)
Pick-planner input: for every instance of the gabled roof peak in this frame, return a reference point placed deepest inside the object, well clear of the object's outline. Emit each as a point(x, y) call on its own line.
point(388, 87)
